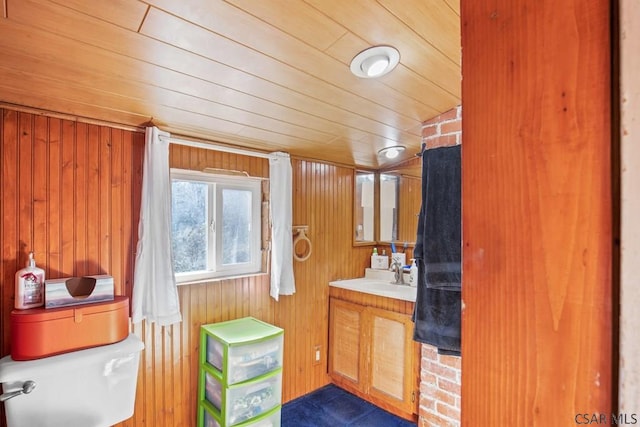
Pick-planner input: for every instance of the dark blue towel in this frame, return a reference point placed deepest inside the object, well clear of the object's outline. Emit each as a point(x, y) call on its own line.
point(438, 251)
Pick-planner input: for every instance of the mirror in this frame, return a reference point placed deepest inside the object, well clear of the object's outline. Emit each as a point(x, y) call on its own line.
point(386, 206)
point(364, 207)
point(388, 212)
point(409, 201)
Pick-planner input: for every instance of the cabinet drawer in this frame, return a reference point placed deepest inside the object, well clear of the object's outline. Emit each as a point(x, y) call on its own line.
point(269, 419)
point(245, 361)
point(243, 401)
point(241, 349)
point(208, 420)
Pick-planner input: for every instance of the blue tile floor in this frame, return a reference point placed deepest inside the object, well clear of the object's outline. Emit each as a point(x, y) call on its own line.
point(331, 406)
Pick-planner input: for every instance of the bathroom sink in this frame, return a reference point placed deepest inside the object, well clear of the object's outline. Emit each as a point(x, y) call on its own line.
point(378, 283)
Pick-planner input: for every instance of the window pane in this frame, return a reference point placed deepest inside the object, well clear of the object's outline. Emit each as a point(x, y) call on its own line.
point(236, 226)
point(189, 228)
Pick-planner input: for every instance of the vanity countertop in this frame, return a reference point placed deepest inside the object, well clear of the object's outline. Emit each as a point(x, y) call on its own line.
point(378, 282)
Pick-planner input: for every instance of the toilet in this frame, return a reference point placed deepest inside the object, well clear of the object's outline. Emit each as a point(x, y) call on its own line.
point(95, 387)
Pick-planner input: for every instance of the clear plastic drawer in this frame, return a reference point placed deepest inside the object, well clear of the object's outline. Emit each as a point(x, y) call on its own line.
point(272, 419)
point(208, 419)
point(244, 401)
point(245, 361)
point(268, 419)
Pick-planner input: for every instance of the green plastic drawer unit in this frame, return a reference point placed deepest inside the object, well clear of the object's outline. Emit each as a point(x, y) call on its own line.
point(240, 402)
point(242, 349)
point(269, 419)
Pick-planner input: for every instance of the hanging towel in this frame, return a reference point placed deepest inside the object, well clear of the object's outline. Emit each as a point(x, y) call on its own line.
point(281, 206)
point(155, 296)
point(438, 251)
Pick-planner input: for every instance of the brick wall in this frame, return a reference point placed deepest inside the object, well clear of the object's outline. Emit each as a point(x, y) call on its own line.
point(443, 130)
point(440, 376)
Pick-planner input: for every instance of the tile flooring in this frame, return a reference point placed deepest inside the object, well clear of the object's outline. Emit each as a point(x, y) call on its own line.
point(331, 406)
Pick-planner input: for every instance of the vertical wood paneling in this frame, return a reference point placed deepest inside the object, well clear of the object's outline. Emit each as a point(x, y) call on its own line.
point(71, 192)
point(10, 244)
point(40, 187)
point(67, 206)
point(81, 205)
point(536, 203)
point(105, 198)
point(54, 200)
point(409, 201)
point(92, 176)
point(25, 185)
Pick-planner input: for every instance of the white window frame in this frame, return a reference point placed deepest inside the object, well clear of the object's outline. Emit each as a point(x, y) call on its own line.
point(218, 183)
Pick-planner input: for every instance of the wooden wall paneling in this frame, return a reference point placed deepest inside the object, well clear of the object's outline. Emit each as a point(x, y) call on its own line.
point(80, 196)
point(25, 186)
point(136, 200)
point(81, 209)
point(54, 198)
point(92, 196)
point(104, 179)
point(189, 353)
point(40, 187)
point(148, 403)
point(170, 340)
point(328, 211)
point(8, 261)
point(67, 200)
point(130, 217)
point(9, 233)
point(117, 220)
point(198, 317)
point(409, 201)
point(312, 210)
point(536, 197)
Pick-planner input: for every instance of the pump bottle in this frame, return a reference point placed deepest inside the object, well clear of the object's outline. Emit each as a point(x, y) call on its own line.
point(29, 286)
point(413, 273)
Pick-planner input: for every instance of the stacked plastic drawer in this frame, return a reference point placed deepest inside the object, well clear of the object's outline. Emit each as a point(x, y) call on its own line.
point(240, 380)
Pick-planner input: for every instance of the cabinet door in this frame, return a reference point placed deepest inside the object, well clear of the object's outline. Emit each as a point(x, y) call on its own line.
point(346, 351)
point(391, 368)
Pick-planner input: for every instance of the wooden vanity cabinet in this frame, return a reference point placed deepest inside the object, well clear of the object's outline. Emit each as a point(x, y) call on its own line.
point(346, 340)
point(372, 353)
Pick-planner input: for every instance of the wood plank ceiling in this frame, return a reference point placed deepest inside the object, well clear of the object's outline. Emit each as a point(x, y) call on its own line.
point(267, 75)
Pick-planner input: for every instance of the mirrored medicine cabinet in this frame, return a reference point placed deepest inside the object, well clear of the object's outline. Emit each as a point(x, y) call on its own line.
point(386, 207)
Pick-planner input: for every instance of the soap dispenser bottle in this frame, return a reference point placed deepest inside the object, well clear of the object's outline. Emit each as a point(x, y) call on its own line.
point(413, 273)
point(29, 286)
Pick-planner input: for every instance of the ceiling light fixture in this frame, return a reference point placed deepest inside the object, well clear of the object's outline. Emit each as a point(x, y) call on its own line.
point(391, 152)
point(375, 61)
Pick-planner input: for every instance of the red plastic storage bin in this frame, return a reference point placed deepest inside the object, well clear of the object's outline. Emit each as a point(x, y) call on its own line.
point(40, 332)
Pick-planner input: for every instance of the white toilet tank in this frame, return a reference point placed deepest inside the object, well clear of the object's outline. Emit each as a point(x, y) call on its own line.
point(95, 387)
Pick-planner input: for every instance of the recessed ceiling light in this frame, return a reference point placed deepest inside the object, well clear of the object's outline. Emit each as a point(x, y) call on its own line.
point(391, 152)
point(375, 61)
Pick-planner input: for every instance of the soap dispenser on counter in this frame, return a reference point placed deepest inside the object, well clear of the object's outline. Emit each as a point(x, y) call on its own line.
point(29, 292)
point(413, 273)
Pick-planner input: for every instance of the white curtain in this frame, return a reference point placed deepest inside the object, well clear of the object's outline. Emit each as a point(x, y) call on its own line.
point(155, 295)
point(280, 189)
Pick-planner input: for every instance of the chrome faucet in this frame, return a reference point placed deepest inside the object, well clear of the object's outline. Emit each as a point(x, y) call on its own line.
point(398, 275)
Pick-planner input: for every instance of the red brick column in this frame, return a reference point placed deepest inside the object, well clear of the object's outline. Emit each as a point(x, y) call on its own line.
point(440, 376)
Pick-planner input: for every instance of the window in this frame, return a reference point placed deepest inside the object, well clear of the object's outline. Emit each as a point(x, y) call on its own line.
point(215, 225)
